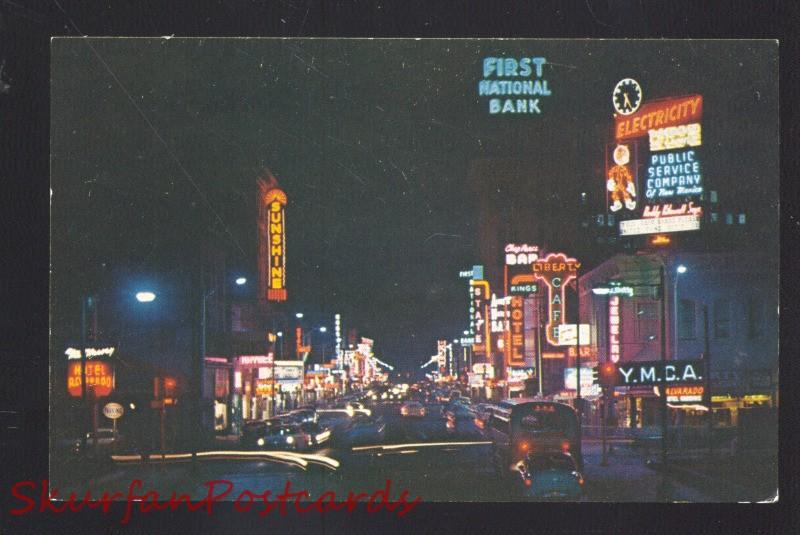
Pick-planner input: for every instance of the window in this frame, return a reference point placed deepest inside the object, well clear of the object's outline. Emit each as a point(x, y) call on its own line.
point(610, 220)
point(714, 217)
point(600, 220)
point(686, 319)
point(722, 318)
point(742, 219)
point(729, 219)
point(713, 196)
point(646, 321)
point(755, 317)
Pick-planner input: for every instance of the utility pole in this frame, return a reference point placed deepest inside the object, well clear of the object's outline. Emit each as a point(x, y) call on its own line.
point(604, 390)
point(707, 359)
point(663, 382)
point(85, 426)
point(578, 365)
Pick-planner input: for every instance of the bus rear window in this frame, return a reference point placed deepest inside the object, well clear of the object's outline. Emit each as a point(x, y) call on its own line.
point(546, 422)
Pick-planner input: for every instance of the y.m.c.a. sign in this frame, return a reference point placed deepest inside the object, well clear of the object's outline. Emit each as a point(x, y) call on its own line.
point(652, 373)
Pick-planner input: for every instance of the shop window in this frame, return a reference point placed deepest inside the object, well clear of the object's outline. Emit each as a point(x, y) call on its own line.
point(722, 318)
point(686, 319)
point(742, 219)
point(729, 219)
point(646, 321)
point(755, 317)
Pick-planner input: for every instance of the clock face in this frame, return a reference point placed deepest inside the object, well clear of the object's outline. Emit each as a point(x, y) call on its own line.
point(627, 96)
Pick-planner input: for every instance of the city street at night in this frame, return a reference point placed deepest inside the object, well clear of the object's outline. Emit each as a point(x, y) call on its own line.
point(460, 270)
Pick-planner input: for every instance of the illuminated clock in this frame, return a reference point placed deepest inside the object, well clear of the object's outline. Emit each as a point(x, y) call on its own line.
point(627, 96)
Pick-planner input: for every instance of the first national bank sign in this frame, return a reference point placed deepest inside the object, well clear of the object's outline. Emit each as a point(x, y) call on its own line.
point(515, 86)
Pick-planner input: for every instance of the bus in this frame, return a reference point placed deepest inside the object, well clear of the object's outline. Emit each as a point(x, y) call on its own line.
point(523, 426)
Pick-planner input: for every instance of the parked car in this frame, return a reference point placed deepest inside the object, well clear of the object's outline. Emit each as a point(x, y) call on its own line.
point(412, 408)
point(553, 476)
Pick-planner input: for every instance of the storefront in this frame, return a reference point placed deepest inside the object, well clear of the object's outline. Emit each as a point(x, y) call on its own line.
point(261, 395)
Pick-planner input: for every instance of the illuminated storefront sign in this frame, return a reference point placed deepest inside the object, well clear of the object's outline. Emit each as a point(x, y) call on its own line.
point(587, 351)
point(555, 271)
point(659, 225)
point(441, 354)
point(552, 355)
point(613, 290)
point(515, 335)
point(659, 114)
point(567, 333)
point(479, 328)
point(523, 289)
point(673, 174)
point(613, 328)
point(520, 80)
point(338, 333)
point(91, 352)
point(671, 210)
point(521, 254)
point(621, 178)
point(99, 378)
point(588, 388)
point(499, 313)
point(651, 373)
point(275, 201)
point(300, 348)
point(255, 360)
point(675, 137)
point(685, 394)
point(483, 369)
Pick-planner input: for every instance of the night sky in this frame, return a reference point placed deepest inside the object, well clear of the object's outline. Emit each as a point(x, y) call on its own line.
point(156, 145)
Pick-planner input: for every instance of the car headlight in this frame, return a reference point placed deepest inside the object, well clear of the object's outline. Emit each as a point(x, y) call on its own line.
point(260, 441)
point(290, 440)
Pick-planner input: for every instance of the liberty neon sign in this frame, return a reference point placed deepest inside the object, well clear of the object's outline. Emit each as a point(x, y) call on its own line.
point(555, 271)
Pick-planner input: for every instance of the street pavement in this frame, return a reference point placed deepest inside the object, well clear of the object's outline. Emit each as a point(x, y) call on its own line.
point(420, 455)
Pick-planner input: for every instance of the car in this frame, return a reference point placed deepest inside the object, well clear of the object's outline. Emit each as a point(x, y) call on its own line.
point(305, 414)
point(276, 435)
point(412, 408)
point(362, 429)
point(550, 476)
point(316, 434)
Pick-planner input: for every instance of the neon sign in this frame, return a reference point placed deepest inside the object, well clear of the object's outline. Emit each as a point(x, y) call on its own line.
point(673, 174)
point(555, 271)
point(514, 81)
point(275, 201)
point(659, 114)
point(99, 378)
point(621, 179)
point(675, 137)
point(613, 328)
point(298, 333)
point(479, 293)
point(669, 210)
point(521, 254)
point(515, 335)
point(499, 314)
point(91, 352)
point(658, 225)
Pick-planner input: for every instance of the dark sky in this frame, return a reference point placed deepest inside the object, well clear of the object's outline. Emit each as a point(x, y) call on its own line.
point(156, 144)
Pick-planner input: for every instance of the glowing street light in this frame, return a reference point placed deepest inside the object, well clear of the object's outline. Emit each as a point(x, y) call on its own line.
point(280, 334)
point(299, 315)
point(323, 329)
point(145, 297)
point(241, 281)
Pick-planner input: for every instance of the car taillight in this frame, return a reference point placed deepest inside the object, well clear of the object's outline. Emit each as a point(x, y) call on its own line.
point(528, 482)
point(524, 446)
point(565, 447)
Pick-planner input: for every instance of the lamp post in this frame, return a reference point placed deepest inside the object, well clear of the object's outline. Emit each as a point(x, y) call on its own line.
point(239, 281)
point(680, 270)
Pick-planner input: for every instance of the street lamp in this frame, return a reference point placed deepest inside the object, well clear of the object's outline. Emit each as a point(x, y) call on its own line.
point(299, 315)
point(323, 329)
point(680, 270)
point(241, 281)
point(145, 296)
